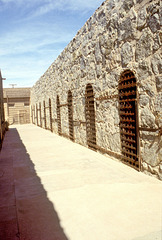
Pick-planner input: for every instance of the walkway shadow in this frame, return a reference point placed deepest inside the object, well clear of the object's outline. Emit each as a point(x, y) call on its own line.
point(37, 218)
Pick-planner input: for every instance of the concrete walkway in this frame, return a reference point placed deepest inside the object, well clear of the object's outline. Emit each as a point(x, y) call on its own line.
point(53, 189)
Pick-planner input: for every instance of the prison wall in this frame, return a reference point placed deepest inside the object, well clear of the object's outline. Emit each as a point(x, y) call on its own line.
point(121, 35)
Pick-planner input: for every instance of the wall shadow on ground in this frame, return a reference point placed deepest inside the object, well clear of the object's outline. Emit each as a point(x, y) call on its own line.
point(37, 217)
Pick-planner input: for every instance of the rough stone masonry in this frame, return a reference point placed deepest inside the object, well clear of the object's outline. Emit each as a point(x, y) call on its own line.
point(121, 36)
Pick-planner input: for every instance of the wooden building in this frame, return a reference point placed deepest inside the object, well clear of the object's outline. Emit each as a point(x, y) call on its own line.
point(17, 105)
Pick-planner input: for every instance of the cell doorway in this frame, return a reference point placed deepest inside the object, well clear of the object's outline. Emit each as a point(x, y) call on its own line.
point(90, 117)
point(129, 132)
point(70, 116)
point(58, 116)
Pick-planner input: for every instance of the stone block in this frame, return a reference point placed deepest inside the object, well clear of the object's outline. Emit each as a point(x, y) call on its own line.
point(139, 1)
point(158, 102)
point(143, 100)
point(126, 54)
point(126, 30)
point(141, 19)
point(147, 118)
point(150, 153)
point(153, 8)
point(144, 46)
point(154, 23)
point(82, 63)
point(110, 4)
point(144, 166)
point(127, 5)
point(144, 70)
point(160, 15)
point(98, 54)
point(160, 168)
point(145, 86)
point(111, 80)
point(157, 42)
point(158, 83)
point(156, 64)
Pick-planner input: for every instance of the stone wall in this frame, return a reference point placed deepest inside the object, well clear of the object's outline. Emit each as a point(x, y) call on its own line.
point(121, 34)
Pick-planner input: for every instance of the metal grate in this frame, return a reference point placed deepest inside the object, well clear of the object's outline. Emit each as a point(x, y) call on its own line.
point(32, 114)
point(70, 115)
point(40, 115)
point(128, 118)
point(37, 113)
point(45, 122)
point(58, 116)
point(50, 114)
point(90, 117)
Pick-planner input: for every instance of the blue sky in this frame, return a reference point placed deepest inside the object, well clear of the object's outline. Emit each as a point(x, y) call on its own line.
point(34, 32)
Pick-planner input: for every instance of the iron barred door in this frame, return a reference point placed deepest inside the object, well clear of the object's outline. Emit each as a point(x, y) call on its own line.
point(40, 114)
point(128, 118)
point(90, 117)
point(58, 116)
point(45, 122)
point(50, 115)
point(70, 116)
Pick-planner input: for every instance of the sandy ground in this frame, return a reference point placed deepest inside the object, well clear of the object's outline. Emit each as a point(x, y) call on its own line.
point(53, 189)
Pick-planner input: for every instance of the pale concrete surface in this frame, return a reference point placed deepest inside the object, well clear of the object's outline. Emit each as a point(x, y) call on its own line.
point(53, 189)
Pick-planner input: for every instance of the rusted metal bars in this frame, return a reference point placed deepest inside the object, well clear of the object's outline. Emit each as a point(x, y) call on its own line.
point(40, 114)
point(58, 115)
point(50, 115)
point(37, 114)
point(45, 123)
point(106, 97)
point(70, 116)
point(129, 131)
point(90, 117)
